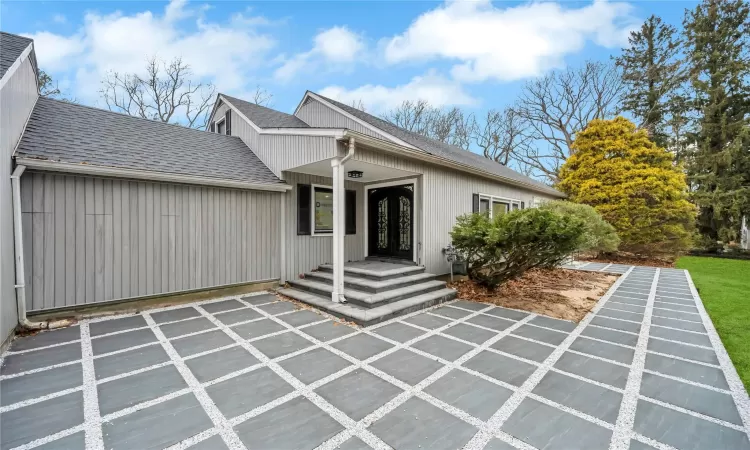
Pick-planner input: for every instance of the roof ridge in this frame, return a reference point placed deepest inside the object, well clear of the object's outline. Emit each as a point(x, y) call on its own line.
point(263, 116)
point(255, 104)
point(121, 114)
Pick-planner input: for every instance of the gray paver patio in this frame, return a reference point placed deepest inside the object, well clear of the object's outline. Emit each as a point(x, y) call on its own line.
point(644, 371)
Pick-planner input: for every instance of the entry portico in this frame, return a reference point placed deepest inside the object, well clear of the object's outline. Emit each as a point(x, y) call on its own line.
point(389, 208)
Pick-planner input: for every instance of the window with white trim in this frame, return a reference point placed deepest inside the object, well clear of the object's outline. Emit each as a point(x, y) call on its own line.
point(498, 205)
point(221, 126)
point(322, 209)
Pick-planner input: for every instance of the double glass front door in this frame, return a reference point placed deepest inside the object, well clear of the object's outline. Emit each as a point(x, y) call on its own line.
point(391, 221)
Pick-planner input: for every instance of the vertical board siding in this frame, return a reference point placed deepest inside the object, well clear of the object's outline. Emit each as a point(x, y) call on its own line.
point(93, 239)
point(447, 195)
point(279, 152)
point(305, 253)
point(316, 114)
point(17, 99)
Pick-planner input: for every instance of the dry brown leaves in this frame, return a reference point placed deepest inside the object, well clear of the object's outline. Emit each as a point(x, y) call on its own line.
point(561, 293)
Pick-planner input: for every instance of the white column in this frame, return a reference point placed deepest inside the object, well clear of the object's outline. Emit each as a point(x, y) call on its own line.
point(337, 262)
point(342, 227)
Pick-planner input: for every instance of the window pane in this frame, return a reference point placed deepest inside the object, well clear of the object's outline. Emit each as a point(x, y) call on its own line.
point(515, 206)
point(484, 205)
point(499, 208)
point(220, 128)
point(323, 210)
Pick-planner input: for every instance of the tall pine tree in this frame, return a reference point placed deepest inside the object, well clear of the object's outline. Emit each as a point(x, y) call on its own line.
point(652, 72)
point(717, 46)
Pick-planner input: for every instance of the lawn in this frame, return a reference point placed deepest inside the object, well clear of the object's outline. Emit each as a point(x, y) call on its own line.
point(724, 286)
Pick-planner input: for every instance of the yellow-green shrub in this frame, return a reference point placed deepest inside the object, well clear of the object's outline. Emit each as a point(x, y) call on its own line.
point(633, 184)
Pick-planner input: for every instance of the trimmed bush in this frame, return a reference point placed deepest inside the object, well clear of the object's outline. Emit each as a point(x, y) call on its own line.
point(504, 248)
point(599, 237)
point(633, 184)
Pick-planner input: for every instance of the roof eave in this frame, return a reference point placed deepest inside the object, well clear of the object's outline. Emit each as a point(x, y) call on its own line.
point(147, 175)
point(445, 162)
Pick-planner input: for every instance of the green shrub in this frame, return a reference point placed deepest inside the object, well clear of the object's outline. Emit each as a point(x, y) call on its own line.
point(599, 237)
point(504, 248)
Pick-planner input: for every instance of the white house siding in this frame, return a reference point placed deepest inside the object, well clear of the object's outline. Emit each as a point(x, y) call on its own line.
point(90, 239)
point(447, 195)
point(279, 152)
point(239, 127)
point(17, 99)
point(304, 253)
point(317, 114)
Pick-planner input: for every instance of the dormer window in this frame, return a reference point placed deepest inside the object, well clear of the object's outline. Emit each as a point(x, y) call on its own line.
point(221, 126)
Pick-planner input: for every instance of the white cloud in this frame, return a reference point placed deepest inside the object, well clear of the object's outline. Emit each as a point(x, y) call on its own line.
point(337, 45)
point(59, 18)
point(54, 52)
point(508, 43)
point(225, 54)
point(436, 89)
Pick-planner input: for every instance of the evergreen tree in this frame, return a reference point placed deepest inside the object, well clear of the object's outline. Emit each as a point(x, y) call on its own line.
point(717, 38)
point(652, 71)
point(633, 184)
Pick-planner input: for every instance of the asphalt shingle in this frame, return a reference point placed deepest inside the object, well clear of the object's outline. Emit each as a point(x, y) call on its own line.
point(443, 150)
point(72, 133)
point(11, 47)
point(265, 117)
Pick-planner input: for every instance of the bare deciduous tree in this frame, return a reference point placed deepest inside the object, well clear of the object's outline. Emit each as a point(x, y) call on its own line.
point(502, 135)
point(164, 94)
point(559, 105)
point(262, 97)
point(359, 104)
point(451, 126)
point(412, 116)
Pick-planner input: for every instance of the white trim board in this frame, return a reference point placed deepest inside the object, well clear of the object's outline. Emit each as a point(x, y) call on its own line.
point(337, 133)
point(16, 64)
point(409, 153)
point(352, 117)
point(415, 217)
point(135, 174)
point(216, 125)
point(312, 210)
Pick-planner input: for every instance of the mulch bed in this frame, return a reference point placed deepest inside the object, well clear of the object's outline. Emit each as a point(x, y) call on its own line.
point(560, 293)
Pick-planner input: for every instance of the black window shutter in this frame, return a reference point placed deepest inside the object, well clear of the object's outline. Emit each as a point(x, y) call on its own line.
point(303, 209)
point(228, 122)
point(351, 212)
point(523, 205)
point(475, 203)
point(213, 127)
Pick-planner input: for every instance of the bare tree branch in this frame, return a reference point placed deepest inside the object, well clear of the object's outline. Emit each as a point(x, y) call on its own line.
point(502, 136)
point(262, 97)
point(560, 104)
point(163, 94)
point(451, 126)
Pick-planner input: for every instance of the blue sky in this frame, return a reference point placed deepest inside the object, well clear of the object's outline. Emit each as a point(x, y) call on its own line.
point(475, 55)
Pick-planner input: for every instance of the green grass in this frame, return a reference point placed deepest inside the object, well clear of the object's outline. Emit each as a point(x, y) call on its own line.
point(724, 286)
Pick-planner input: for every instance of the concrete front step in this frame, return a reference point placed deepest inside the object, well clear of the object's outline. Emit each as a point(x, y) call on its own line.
point(370, 285)
point(369, 299)
point(379, 275)
point(370, 316)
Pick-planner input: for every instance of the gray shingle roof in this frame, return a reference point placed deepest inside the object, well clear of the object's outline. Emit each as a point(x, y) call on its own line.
point(72, 133)
point(11, 47)
point(266, 117)
point(441, 149)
